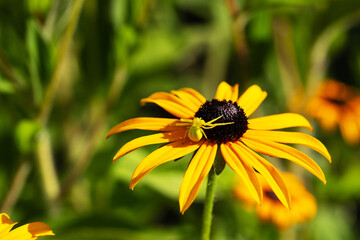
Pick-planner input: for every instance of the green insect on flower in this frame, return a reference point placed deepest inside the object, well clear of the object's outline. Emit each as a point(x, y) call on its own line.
point(197, 126)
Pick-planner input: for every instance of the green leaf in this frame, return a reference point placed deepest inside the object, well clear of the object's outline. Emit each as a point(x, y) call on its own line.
point(25, 133)
point(38, 6)
point(126, 40)
point(6, 87)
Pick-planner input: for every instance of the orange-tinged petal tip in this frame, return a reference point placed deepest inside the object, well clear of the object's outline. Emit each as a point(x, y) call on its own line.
point(39, 229)
point(115, 158)
point(108, 135)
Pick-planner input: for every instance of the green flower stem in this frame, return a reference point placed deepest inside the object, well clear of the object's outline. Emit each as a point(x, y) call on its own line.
point(209, 203)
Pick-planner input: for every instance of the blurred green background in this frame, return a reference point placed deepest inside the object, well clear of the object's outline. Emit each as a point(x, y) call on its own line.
point(70, 70)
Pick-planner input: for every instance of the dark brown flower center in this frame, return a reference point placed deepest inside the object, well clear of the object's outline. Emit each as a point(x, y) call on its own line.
point(270, 194)
point(230, 112)
point(339, 102)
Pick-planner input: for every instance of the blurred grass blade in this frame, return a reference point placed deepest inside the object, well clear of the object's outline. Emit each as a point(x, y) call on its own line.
point(320, 50)
point(33, 60)
point(286, 57)
point(25, 133)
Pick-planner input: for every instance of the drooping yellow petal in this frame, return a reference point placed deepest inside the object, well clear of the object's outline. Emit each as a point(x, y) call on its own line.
point(251, 99)
point(245, 171)
point(150, 139)
point(289, 137)
point(279, 121)
point(189, 96)
point(197, 170)
point(164, 154)
point(29, 231)
point(226, 92)
point(172, 104)
point(5, 224)
point(268, 171)
point(283, 151)
point(145, 123)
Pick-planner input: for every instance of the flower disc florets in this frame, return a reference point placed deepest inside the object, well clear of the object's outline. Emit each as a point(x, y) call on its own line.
point(339, 102)
point(230, 112)
point(271, 195)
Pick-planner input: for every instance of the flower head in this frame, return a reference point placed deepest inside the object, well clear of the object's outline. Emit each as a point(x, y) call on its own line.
point(25, 232)
point(303, 204)
point(337, 104)
point(222, 123)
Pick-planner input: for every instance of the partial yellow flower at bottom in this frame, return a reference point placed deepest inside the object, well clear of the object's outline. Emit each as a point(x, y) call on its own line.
point(25, 232)
point(337, 104)
point(303, 204)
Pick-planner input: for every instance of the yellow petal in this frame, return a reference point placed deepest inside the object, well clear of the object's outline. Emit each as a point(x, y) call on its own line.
point(245, 171)
point(268, 171)
point(226, 92)
point(197, 170)
point(148, 140)
point(201, 99)
point(289, 137)
point(164, 154)
point(29, 231)
point(251, 99)
point(5, 224)
point(235, 93)
point(278, 121)
point(184, 101)
point(190, 98)
point(172, 104)
point(145, 123)
point(283, 151)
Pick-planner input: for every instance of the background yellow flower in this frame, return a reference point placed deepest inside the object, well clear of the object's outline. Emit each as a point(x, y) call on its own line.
point(303, 204)
point(337, 104)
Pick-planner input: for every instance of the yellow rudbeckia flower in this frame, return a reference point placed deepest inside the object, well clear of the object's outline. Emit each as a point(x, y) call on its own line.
point(25, 232)
point(221, 123)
